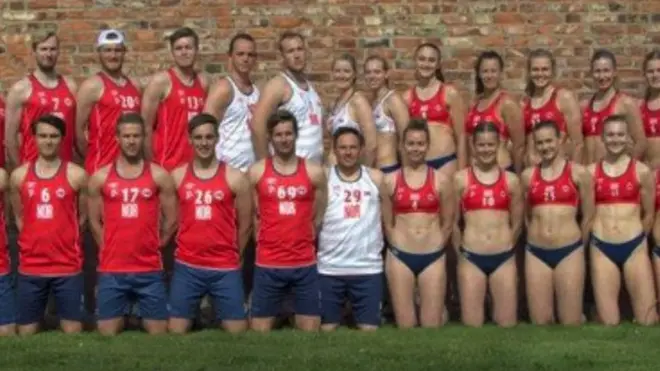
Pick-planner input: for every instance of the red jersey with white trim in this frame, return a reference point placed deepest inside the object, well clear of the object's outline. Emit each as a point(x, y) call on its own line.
point(548, 112)
point(115, 101)
point(490, 114)
point(558, 191)
point(592, 121)
point(207, 235)
point(2, 130)
point(480, 196)
point(170, 143)
point(434, 109)
point(5, 265)
point(650, 120)
point(58, 101)
point(49, 242)
point(415, 200)
point(622, 189)
point(286, 218)
point(131, 216)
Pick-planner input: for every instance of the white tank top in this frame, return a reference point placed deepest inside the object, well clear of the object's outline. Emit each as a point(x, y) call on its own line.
point(235, 144)
point(351, 238)
point(341, 118)
point(306, 106)
point(384, 123)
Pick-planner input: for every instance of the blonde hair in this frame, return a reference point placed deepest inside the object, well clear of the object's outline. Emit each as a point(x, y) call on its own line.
point(41, 36)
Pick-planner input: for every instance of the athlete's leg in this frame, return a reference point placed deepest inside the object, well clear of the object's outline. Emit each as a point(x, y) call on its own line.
point(333, 292)
point(540, 289)
point(69, 299)
point(32, 299)
point(186, 290)
point(472, 285)
point(638, 275)
point(307, 303)
point(655, 256)
point(152, 300)
point(226, 289)
point(503, 284)
point(366, 296)
point(432, 283)
point(569, 279)
point(606, 281)
point(268, 289)
point(112, 299)
point(401, 282)
point(7, 306)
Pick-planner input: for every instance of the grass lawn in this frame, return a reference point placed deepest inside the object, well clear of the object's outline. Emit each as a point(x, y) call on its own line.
point(456, 348)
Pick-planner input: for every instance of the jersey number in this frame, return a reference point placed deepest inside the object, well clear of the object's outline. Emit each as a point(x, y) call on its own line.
point(352, 204)
point(45, 209)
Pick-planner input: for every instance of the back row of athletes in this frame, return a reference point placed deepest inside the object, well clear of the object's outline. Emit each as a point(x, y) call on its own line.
point(490, 205)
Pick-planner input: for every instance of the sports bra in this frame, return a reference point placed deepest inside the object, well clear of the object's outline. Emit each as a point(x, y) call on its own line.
point(420, 200)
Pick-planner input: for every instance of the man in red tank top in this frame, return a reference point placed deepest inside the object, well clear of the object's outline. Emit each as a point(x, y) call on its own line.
point(45, 194)
point(40, 93)
point(7, 300)
point(291, 197)
point(171, 99)
point(126, 201)
point(215, 223)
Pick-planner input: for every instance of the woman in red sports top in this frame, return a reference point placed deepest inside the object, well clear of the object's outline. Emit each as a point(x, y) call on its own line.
point(441, 105)
point(624, 191)
point(492, 211)
point(417, 224)
point(494, 105)
point(545, 101)
point(650, 107)
point(554, 259)
point(608, 101)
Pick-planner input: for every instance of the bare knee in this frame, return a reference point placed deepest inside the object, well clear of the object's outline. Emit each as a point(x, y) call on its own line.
point(155, 327)
point(235, 326)
point(110, 327)
point(8, 330)
point(71, 327)
point(27, 330)
point(261, 324)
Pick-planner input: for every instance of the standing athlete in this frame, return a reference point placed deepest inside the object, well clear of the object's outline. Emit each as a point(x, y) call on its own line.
point(126, 201)
point(45, 196)
point(291, 195)
point(7, 295)
point(215, 223)
point(350, 260)
point(41, 93)
point(231, 100)
point(171, 99)
point(291, 91)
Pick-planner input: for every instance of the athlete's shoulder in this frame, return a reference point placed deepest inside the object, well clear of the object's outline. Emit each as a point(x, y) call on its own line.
point(157, 171)
point(642, 168)
point(159, 80)
point(256, 170)
point(577, 168)
point(100, 175)
point(315, 171)
point(526, 174)
point(461, 175)
point(512, 179)
point(179, 172)
point(16, 177)
point(565, 94)
point(90, 84)
point(70, 83)
point(21, 88)
point(376, 176)
point(591, 168)
point(74, 169)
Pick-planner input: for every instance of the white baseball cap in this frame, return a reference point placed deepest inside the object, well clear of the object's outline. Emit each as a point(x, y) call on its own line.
point(110, 37)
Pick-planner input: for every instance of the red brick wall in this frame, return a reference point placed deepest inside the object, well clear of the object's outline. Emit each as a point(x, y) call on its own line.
point(572, 29)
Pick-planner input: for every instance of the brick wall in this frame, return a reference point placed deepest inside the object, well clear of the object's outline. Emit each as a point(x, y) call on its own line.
point(572, 29)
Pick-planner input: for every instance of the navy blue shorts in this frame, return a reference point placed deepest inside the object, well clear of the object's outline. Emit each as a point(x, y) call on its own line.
point(7, 300)
point(365, 293)
point(271, 285)
point(190, 284)
point(33, 297)
point(116, 291)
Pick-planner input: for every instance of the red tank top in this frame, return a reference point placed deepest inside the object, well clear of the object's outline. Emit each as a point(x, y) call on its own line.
point(5, 265)
point(286, 218)
point(49, 240)
point(559, 191)
point(207, 234)
point(549, 111)
point(114, 102)
point(650, 119)
point(171, 147)
point(131, 214)
point(592, 121)
point(58, 101)
point(475, 116)
point(421, 200)
point(434, 109)
point(623, 189)
point(479, 196)
point(2, 130)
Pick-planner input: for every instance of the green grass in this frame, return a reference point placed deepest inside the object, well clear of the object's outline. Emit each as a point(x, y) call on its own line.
point(526, 347)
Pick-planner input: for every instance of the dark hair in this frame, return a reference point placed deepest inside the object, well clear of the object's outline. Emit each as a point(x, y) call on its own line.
point(547, 124)
point(383, 61)
point(488, 54)
point(347, 130)
point(351, 60)
point(129, 118)
point(651, 56)
point(615, 118)
point(202, 119)
point(239, 36)
point(184, 32)
point(603, 54)
point(417, 124)
point(438, 71)
point(537, 53)
point(279, 117)
point(485, 127)
point(289, 35)
point(51, 120)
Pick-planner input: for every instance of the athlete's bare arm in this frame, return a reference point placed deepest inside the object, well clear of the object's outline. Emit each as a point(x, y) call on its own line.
point(71, 84)
point(156, 90)
point(219, 98)
point(240, 185)
point(570, 107)
point(320, 182)
point(398, 111)
point(255, 172)
point(90, 92)
point(634, 118)
point(77, 178)
point(16, 97)
point(178, 174)
point(168, 203)
point(647, 183)
point(4, 180)
point(95, 203)
point(445, 188)
point(205, 80)
point(459, 186)
point(364, 114)
point(386, 208)
point(524, 184)
point(512, 116)
point(276, 92)
point(15, 182)
point(582, 177)
point(516, 208)
point(457, 112)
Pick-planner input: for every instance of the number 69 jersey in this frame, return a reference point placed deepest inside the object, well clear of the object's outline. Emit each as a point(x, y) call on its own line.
point(131, 215)
point(479, 196)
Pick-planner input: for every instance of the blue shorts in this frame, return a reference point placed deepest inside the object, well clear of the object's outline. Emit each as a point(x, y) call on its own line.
point(7, 300)
point(365, 293)
point(271, 285)
point(116, 291)
point(33, 297)
point(190, 284)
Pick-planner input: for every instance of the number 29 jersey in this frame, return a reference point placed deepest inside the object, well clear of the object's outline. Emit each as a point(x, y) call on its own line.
point(286, 218)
